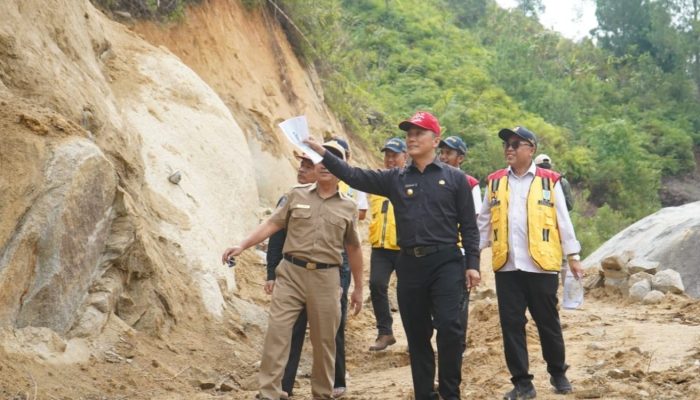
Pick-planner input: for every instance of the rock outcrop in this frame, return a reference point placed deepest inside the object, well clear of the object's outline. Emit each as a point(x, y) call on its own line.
point(94, 121)
point(667, 239)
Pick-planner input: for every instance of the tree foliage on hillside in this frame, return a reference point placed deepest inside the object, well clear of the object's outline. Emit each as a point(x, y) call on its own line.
point(616, 115)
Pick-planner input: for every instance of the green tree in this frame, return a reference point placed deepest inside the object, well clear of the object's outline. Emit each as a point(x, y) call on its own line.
point(531, 8)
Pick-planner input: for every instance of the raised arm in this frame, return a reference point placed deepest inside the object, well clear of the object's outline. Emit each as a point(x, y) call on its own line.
point(366, 180)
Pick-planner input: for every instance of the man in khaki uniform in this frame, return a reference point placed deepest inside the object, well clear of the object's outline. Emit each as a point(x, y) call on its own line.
point(320, 223)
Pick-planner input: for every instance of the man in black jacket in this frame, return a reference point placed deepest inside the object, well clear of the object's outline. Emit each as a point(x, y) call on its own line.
point(432, 203)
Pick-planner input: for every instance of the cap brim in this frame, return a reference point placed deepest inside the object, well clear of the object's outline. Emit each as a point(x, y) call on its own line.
point(406, 125)
point(394, 149)
point(336, 152)
point(445, 144)
point(506, 133)
point(301, 156)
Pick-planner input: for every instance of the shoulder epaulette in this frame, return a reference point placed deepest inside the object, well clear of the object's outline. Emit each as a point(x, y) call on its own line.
point(471, 181)
point(498, 174)
point(547, 173)
point(345, 196)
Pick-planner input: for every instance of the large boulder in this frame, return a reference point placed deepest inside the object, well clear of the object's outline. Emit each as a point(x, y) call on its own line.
point(670, 237)
point(62, 234)
point(640, 276)
point(639, 290)
point(615, 270)
point(94, 121)
point(668, 281)
point(641, 265)
point(653, 297)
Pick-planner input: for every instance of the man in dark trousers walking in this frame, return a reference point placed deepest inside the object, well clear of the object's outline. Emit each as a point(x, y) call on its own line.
point(525, 221)
point(432, 203)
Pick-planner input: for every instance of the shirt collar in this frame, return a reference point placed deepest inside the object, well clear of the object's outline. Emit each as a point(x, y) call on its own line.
point(314, 186)
point(436, 162)
point(530, 170)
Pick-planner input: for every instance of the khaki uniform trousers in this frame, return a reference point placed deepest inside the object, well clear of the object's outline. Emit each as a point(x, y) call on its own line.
point(296, 288)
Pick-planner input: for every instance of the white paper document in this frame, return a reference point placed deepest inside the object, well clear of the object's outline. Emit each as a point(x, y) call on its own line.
point(296, 130)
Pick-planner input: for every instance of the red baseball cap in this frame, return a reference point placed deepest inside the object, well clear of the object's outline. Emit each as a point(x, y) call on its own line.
point(422, 119)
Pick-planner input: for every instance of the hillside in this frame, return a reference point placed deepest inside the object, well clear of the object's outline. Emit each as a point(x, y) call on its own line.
point(618, 120)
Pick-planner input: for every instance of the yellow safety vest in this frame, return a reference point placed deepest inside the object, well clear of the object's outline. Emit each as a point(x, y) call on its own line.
point(544, 244)
point(382, 227)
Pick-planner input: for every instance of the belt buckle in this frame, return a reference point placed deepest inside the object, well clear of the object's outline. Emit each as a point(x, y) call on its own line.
point(311, 266)
point(418, 251)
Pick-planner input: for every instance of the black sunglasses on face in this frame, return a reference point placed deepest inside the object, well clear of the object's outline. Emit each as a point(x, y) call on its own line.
point(515, 144)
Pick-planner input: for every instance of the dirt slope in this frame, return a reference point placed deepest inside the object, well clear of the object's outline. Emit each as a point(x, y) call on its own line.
point(244, 55)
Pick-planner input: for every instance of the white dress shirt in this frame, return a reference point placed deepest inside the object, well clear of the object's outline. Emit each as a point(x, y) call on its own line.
point(518, 250)
point(476, 195)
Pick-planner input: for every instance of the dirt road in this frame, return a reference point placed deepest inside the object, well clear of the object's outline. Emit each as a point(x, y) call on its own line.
point(617, 350)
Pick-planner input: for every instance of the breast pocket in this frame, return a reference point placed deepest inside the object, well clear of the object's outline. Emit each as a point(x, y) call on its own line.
point(335, 223)
point(301, 213)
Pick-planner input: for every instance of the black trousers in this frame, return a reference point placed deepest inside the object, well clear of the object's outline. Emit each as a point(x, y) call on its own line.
point(382, 264)
point(345, 278)
point(290, 371)
point(464, 317)
point(433, 284)
point(518, 291)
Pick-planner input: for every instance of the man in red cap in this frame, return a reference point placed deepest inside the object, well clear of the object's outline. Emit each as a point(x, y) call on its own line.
point(432, 204)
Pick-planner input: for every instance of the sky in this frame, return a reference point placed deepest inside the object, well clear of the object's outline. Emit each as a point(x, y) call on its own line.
point(572, 18)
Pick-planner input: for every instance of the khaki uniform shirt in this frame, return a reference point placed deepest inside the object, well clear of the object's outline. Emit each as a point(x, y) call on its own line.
point(317, 229)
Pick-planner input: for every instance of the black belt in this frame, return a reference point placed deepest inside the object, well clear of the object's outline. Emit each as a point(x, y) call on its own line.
point(308, 264)
point(422, 251)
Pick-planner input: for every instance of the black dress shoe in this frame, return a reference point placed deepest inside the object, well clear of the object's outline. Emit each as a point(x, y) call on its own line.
point(521, 392)
point(561, 384)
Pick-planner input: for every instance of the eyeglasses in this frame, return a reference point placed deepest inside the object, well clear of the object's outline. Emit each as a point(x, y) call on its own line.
point(515, 144)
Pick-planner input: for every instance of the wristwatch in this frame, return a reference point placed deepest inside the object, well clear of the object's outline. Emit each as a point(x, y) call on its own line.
point(574, 257)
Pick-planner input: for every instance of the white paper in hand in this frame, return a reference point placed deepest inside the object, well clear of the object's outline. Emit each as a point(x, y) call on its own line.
point(296, 130)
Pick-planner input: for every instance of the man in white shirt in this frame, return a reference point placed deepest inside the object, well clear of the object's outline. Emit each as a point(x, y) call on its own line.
point(525, 220)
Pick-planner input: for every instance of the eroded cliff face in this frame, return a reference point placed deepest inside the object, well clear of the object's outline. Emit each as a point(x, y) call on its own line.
point(93, 121)
point(245, 57)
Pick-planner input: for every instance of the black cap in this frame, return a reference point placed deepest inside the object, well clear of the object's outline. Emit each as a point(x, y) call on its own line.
point(454, 142)
point(397, 145)
point(520, 132)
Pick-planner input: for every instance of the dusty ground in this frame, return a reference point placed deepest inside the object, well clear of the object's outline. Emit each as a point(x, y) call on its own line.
point(617, 351)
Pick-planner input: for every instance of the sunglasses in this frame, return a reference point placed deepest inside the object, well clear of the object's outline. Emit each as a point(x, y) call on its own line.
point(515, 144)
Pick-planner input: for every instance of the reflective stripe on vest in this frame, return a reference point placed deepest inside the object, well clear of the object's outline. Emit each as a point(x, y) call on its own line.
point(382, 227)
point(543, 232)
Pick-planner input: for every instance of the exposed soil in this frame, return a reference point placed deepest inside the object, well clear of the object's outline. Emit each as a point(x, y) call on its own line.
point(618, 350)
